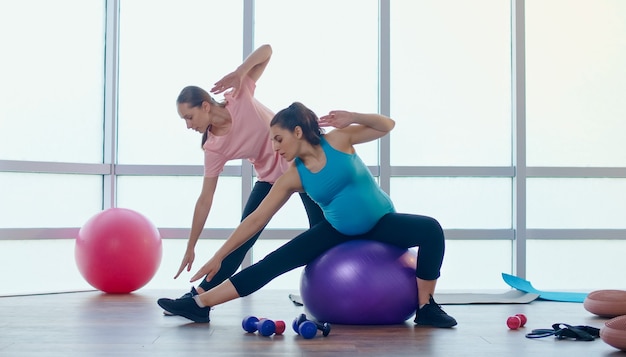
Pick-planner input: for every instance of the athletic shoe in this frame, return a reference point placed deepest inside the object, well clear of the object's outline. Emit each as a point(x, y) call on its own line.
point(431, 314)
point(193, 292)
point(186, 307)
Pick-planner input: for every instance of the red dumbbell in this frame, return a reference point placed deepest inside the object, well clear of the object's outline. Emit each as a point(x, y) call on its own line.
point(516, 321)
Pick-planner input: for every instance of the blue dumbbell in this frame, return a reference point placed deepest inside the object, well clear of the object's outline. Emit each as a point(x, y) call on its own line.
point(307, 328)
point(264, 326)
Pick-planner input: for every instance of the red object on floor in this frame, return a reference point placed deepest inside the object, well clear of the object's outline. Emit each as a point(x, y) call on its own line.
point(514, 322)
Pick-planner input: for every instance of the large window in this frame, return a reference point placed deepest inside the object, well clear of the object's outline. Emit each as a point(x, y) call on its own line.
point(457, 202)
point(511, 139)
point(51, 113)
point(175, 44)
point(575, 85)
point(451, 83)
point(324, 67)
point(169, 201)
point(578, 203)
point(32, 200)
point(52, 70)
point(450, 94)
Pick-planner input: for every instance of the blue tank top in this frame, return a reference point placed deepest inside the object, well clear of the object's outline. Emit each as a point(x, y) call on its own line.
point(346, 191)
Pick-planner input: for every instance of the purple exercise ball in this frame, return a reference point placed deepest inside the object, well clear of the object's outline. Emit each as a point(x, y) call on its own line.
point(361, 282)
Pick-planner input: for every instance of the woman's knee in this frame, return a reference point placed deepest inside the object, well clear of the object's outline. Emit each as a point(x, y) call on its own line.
point(436, 228)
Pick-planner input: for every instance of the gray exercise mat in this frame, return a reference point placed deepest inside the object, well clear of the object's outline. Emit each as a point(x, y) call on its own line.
point(509, 297)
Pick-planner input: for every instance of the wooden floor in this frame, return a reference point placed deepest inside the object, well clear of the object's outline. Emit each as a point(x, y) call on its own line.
point(97, 324)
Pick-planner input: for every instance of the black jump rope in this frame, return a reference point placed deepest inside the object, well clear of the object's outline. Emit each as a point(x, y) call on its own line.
point(564, 331)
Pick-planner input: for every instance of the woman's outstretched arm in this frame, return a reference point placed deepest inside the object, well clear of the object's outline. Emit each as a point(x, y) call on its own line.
point(253, 67)
point(284, 187)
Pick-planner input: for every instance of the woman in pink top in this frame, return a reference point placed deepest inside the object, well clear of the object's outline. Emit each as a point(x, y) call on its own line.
point(237, 128)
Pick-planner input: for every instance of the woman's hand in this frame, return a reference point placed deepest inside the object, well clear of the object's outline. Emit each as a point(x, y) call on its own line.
point(357, 127)
point(337, 118)
point(187, 262)
point(209, 269)
point(232, 80)
point(253, 66)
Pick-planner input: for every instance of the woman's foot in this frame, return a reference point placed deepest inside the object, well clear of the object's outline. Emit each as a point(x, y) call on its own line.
point(191, 293)
point(432, 314)
point(186, 307)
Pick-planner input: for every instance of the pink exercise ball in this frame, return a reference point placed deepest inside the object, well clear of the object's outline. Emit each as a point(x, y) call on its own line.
point(118, 251)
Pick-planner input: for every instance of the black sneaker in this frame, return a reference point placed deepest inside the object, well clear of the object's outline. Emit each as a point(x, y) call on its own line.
point(186, 307)
point(191, 293)
point(431, 314)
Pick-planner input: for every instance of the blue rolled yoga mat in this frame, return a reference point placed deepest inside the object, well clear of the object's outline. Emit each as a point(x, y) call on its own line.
point(525, 286)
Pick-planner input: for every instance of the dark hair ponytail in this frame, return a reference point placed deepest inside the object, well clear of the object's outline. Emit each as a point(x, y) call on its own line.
point(195, 96)
point(299, 115)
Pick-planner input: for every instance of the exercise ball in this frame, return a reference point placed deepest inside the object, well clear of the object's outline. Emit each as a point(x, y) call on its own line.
point(118, 250)
point(614, 332)
point(361, 282)
point(606, 303)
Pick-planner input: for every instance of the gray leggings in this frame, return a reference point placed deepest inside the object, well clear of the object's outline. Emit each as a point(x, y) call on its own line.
point(402, 230)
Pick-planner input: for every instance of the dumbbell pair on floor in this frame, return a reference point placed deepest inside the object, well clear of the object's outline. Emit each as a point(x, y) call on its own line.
point(301, 325)
point(266, 327)
point(308, 329)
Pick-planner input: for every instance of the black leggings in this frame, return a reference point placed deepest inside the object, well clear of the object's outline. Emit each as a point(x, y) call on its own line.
point(232, 262)
point(402, 230)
